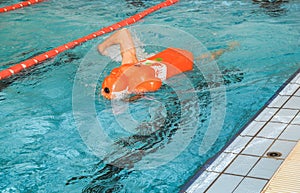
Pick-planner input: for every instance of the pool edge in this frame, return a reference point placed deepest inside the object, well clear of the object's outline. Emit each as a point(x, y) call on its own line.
point(184, 188)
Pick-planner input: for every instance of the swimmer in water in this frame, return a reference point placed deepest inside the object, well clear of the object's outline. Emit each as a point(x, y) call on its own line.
point(138, 77)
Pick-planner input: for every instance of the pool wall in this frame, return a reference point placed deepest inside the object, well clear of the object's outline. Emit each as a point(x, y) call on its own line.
point(243, 164)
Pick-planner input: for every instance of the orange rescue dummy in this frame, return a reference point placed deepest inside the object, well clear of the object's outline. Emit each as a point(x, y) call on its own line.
point(146, 75)
point(133, 76)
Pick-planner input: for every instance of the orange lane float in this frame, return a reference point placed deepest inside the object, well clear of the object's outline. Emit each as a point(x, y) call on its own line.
point(146, 75)
point(54, 52)
point(19, 5)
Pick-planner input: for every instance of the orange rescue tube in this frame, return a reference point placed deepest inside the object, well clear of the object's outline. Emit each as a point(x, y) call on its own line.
point(178, 59)
point(146, 75)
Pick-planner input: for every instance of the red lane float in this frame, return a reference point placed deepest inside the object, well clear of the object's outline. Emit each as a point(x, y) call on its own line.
point(54, 52)
point(19, 5)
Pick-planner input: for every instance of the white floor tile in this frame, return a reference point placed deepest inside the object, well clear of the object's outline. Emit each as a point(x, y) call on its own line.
point(278, 101)
point(221, 162)
point(225, 183)
point(297, 93)
point(285, 115)
point(296, 79)
point(272, 130)
point(202, 182)
point(238, 144)
point(292, 132)
point(284, 147)
point(290, 89)
point(253, 128)
point(257, 146)
point(296, 120)
point(265, 168)
point(293, 103)
point(266, 114)
point(251, 185)
point(242, 165)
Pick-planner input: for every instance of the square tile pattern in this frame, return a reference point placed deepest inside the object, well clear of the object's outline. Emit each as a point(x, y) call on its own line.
point(285, 115)
point(258, 146)
point(253, 128)
point(296, 120)
point(225, 183)
point(293, 103)
point(244, 166)
point(250, 185)
point(297, 93)
point(296, 80)
point(284, 147)
point(221, 162)
point(265, 168)
point(272, 130)
point(238, 144)
point(292, 132)
point(279, 101)
point(290, 89)
point(266, 114)
point(202, 182)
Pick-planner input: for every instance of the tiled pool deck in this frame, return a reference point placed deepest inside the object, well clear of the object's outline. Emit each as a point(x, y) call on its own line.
point(244, 166)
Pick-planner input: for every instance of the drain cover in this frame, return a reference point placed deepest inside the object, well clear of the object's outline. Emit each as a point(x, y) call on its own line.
point(274, 154)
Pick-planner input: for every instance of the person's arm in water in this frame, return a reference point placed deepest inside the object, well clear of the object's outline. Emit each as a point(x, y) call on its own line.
point(216, 54)
point(124, 39)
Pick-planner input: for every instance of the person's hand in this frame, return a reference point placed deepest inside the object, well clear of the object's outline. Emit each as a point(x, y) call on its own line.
point(102, 50)
point(232, 45)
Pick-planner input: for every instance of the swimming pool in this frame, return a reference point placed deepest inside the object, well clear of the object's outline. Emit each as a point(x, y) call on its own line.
point(41, 148)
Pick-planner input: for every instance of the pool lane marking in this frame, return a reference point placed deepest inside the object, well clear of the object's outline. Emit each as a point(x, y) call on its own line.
point(54, 52)
point(11, 71)
point(24, 66)
point(19, 5)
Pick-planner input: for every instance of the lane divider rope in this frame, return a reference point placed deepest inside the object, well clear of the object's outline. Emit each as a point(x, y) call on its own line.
point(19, 5)
point(52, 53)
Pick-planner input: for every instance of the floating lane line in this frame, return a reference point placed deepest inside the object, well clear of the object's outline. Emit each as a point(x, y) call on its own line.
point(19, 5)
point(54, 52)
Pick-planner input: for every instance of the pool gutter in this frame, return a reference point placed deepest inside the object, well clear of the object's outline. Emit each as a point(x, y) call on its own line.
point(220, 168)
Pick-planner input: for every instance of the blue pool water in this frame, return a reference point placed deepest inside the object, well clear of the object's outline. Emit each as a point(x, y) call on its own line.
point(43, 146)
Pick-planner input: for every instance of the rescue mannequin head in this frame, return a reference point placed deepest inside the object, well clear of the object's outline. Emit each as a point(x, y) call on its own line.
point(114, 87)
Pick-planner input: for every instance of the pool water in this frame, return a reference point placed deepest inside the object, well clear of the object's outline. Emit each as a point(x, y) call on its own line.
point(42, 149)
